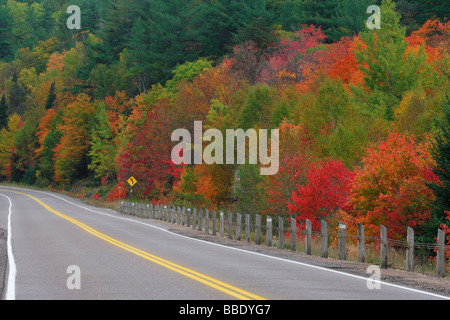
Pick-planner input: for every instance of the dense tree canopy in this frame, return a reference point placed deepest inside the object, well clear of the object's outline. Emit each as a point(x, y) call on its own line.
point(362, 115)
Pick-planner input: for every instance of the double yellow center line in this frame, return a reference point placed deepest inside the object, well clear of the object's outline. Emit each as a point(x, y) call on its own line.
point(211, 282)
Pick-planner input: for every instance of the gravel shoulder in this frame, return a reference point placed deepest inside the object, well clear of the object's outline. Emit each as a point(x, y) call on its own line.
point(3, 260)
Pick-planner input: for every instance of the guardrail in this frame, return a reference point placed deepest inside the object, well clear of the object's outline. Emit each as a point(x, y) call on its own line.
point(250, 228)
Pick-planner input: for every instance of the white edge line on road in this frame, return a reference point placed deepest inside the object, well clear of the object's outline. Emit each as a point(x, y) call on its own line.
point(115, 215)
point(12, 270)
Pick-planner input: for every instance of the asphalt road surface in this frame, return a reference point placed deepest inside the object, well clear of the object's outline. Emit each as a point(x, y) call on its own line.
point(62, 249)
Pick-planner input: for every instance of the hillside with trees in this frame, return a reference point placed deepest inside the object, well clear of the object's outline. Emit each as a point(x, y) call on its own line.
point(363, 115)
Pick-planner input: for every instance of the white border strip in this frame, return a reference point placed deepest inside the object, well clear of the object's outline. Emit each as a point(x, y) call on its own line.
point(245, 251)
point(12, 270)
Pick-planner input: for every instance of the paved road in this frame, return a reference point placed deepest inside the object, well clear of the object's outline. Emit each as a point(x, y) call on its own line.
point(62, 249)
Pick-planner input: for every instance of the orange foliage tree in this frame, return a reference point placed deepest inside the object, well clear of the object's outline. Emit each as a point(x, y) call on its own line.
point(391, 187)
point(71, 153)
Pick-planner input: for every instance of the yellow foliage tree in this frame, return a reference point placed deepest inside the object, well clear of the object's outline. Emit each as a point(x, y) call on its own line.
point(7, 146)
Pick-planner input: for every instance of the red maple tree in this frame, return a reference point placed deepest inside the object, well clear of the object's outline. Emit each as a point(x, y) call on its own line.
point(391, 187)
point(325, 193)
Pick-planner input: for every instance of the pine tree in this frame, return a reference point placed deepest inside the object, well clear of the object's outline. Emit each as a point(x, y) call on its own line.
point(3, 113)
point(388, 71)
point(47, 158)
point(350, 18)
point(5, 33)
point(51, 97)
point(441, 154)
point(169, 37)
point(289, 15)
point(320, 13)
point(257, 23)
point(429, 9)
point(248, 189)
point(120, 17)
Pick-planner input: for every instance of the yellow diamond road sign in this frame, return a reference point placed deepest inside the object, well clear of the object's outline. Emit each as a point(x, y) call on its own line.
point(132, 181)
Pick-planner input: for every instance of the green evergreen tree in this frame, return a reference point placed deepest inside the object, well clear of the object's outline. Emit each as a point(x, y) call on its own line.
point(389, 73)
point(46, 160)
point(262, 32)
point(103, 150)
point(171, 36)
point(320, 13)
point(5, 34)
point(350, 18)
point(224, 23)
point(3, 113)
point(51, 97)
point(431, 9)
point(248, 189)
point(289, 15)
point(120, 17)
point(441, 154)
point(24, 154)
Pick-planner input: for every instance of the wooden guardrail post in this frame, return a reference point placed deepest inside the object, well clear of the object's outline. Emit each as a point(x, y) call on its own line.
point(324, 234)
point(342, 241)
point(268, 231)
point(361, 244)
point(280, 233)
point(230, 225)
point(440, 257)
point(200, 220)
point(238, 226)
point(214, 223)
point(247, 228)
point(194, 218)
point(410, 250)
point(206, 221)
point(222, 228)
point(174, 214)
point(258, 230)
point(308, 233)
point(189, 214)
point(384, 247)
point(293, 234)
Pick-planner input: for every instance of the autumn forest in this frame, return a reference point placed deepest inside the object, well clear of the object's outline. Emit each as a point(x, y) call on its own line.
point(363, 114)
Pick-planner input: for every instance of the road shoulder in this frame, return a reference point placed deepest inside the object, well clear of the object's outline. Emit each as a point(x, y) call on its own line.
point(3, 260)
point(415, 280)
